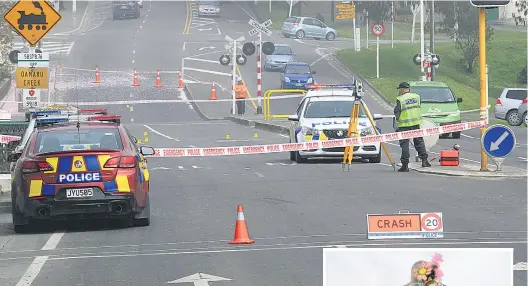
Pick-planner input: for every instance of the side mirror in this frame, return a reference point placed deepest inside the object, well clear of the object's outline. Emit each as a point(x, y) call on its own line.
point(459, 100)
point(377, 116)
point(293, 118)
point(146, 150)
point(13, 157)
point(134, 138)
point(313, 72)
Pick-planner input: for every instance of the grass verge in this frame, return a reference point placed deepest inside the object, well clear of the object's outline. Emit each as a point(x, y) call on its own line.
point(506, 58)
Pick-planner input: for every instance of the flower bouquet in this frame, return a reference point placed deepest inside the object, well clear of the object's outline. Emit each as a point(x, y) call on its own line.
point(427, 273)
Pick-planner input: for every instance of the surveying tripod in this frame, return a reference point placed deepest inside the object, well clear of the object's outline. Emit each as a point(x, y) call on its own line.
point(353, 127)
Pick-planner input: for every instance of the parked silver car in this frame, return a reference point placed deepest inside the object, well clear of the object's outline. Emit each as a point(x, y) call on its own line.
point(521, 111)
point(208, 8)
point(282, 55)
point(301, 27)
point(507, 104)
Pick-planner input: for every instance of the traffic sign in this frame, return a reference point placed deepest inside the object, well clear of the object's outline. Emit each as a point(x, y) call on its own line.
point(405, 225)
point(33, 60)
point(31, 98)
point(259, 28)
point(32, 78)
point(377, 30)
point(345, 11)
point(498, 141)
point(32, 19)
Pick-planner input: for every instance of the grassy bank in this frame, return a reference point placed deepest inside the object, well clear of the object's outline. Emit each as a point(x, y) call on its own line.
point(280, 9)
point(506, 58)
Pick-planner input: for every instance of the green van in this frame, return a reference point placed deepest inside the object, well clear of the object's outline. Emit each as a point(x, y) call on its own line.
point(437, 97)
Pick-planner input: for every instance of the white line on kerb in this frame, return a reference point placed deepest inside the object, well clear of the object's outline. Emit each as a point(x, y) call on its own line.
point(53, 241)
point(259, 175)
point(159, 133)
point(32, 271)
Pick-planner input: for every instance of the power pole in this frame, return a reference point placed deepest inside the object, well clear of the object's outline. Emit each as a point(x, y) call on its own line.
point(431, 34)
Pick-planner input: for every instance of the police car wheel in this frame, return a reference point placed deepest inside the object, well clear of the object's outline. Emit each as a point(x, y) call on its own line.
point(456, 135)
point(376, 159)
point(292, 156)
point(143, 218)
point(299, 159)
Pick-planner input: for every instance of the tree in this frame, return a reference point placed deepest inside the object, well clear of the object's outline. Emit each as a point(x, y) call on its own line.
point(461, 21)
point(6, 38)
point(378, 11)
point(522, 12)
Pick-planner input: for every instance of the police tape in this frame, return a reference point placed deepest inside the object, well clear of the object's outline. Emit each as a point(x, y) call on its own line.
point(124, 102)
point(313, 145)
point(4, 139)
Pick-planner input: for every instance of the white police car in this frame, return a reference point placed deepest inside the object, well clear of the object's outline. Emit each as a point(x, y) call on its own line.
point(324, 114)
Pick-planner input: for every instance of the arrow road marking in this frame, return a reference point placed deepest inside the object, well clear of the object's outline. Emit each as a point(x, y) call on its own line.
point(203, 48)
point(495, 145)
point(199, 279)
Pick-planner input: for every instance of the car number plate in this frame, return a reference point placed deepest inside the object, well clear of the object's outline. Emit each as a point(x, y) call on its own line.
point(79, 193)
point(299, 84)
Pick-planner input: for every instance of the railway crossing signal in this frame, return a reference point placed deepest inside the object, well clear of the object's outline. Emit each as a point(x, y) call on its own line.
point(260, 28)
point(32, 19)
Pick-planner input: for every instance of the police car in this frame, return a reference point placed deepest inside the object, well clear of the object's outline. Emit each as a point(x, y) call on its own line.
point(79, 166)
point(324, 114)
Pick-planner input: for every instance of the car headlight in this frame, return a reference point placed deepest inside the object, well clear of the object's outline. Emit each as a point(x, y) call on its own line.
point(201, 9)
point(310, 80)
point(286, 79)
point(217, 9)
point(308, 131)
point(366, 132)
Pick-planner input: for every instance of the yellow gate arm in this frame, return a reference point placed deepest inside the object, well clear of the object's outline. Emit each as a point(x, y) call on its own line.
point(267, 96)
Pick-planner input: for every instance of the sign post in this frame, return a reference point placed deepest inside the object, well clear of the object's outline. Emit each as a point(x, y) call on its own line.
point(377, 30)
point(259, 29)
point(498, 142)
point(405, 225)
point(347, 11)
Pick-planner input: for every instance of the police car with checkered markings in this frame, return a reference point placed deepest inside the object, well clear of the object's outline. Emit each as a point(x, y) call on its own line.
point(324, 114)
point(79, 166)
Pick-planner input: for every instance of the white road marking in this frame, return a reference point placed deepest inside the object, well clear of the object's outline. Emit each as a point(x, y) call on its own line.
point(340, 246)
point(183, 96)
point(159, 133)
point(259, 175)
point(521, 266)
point(283, 135)
point(196, 167)
point(462, 134)
point(522, 158)
point(202, 60)
point(276, 248)
point(181, 168)
point(32, 271)
point(269, 164)
point(160, 168)
point(53, 241)
point(219, 33)
point(299, 41)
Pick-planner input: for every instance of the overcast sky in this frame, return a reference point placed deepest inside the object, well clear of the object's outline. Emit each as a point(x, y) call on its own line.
point(367, 268)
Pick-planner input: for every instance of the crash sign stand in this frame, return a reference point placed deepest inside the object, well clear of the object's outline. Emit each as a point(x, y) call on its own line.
point(405, 225)
point(32, 19)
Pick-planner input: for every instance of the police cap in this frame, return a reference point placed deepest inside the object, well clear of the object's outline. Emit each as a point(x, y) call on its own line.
point(404, 85)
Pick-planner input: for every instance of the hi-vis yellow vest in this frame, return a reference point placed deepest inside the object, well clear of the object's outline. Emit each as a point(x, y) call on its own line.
point(410, 110)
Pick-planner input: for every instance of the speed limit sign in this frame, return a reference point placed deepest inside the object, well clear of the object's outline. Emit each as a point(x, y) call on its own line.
point(432, 222)
point(377, 30)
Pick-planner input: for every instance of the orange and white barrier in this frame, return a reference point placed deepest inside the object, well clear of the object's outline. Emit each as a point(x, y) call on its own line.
point(277, 148)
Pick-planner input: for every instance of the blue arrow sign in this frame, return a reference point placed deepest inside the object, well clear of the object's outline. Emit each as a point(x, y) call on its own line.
point(498, 141)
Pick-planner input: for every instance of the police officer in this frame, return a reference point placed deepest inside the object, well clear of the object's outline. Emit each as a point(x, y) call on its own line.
point(408, 117)
point(240, 96)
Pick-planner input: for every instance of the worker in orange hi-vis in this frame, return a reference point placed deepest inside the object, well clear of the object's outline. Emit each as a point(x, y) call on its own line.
point(240, 95)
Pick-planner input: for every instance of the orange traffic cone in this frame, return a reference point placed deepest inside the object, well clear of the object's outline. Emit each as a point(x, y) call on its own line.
point(158, 80)
point(180, 84)
point(97, 75)
point(136, 82)
point(213, 92)
point(241, 231)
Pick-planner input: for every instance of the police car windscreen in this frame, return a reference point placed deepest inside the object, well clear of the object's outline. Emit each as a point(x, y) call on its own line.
point(330, 109)
point(71, 140)
point(434, 95)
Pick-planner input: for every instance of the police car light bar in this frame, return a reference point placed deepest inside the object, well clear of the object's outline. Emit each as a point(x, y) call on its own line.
point(109, 118)
point(51, 120)
point(318, 86)
point(102, 111)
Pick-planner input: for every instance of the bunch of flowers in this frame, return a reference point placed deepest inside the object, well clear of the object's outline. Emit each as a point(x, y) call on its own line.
point(429, 272)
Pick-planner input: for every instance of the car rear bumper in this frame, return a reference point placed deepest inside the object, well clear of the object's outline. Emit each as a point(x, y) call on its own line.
point(291, 85)
point(274, 66)
point(500, 112)
point(125, 13)
point(109, 206)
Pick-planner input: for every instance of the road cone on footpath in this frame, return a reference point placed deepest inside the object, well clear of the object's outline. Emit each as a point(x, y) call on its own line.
point(255, 135)
point(241, 231)
point(213, 92)
point(136, 82)
point(180, 84)
point(97, 75)
point(158, 80)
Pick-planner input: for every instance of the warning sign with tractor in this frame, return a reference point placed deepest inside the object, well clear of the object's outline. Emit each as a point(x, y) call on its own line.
point(32, 19)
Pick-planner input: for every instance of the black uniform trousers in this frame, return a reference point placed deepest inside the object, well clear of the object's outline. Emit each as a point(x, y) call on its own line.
point(419, 145)
point(240, 106)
